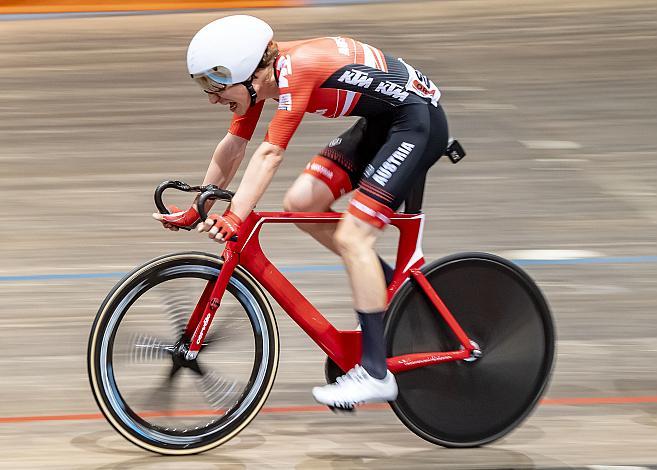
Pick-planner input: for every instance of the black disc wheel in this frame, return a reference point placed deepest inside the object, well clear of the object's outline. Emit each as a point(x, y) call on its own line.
point(472, 402)
point(332, 371)
point(140, 377)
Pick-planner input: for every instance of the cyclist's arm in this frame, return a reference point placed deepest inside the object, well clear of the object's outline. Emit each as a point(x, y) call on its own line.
point(230, 151)
point(226, 160)
point(258, 175)
point(293, 102)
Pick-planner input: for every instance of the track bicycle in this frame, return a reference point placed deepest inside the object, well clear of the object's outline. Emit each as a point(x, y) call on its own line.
point(184, 349)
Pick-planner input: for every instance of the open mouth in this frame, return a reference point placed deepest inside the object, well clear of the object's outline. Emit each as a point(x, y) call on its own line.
point(233, 106)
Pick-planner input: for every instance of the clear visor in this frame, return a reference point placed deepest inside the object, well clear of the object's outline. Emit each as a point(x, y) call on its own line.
point(219, 75)
point(210, 86)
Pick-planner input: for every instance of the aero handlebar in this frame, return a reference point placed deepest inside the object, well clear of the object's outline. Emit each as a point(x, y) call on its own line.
point(211, 193)
point(208, 192)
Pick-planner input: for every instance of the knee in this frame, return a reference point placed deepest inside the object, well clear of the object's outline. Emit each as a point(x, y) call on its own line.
point(308, 195)
point(297, 201)
point(351, 241)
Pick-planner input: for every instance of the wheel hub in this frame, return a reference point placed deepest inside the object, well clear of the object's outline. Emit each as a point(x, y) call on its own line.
point(179, 357)
point(475, 354)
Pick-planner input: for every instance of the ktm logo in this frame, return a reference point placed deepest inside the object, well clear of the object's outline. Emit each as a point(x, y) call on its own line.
point(357, 78)
point(393, 90)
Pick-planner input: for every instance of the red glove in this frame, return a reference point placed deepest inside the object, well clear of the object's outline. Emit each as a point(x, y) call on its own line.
point(179, 218)
point(226, 226)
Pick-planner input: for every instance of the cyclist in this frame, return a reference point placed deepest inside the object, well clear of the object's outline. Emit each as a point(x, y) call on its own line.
point(401, 133)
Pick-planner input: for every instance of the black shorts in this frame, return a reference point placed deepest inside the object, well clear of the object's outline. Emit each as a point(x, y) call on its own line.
point(382, 157)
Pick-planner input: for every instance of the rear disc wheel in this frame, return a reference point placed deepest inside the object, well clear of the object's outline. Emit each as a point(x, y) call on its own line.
point(472, 402)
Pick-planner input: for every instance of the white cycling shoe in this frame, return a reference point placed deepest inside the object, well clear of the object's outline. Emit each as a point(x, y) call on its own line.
point(356, 387)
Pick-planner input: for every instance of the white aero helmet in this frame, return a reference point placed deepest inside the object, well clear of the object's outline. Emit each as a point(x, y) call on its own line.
point(229, 49)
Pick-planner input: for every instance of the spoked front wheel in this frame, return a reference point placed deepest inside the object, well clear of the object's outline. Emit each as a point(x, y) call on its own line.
point(473, 402)
point(139, 375)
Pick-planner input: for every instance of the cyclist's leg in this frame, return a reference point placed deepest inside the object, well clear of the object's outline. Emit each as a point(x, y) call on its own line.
point(355, 240)
point(330, 175)
point(415, 139)
point(309, 194)
point(370, 380)
point(418, 133)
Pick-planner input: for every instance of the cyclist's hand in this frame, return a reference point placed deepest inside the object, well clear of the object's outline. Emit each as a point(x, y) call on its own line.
point(221, 227)
point(178, 218)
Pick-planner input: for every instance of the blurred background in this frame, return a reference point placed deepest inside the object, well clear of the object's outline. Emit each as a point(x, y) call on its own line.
point(555, 104)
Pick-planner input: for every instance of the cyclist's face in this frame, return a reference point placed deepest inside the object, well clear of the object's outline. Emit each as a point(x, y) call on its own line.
point(235, 96)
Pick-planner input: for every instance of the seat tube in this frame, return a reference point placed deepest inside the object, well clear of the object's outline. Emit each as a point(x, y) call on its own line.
point(231, 259)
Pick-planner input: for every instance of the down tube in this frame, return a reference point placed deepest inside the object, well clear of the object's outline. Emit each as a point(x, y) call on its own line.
point(341, 346)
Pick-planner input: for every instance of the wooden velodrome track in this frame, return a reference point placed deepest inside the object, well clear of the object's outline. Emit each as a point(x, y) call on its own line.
point(555, 103)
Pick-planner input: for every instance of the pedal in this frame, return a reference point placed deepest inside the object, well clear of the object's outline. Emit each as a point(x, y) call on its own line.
point(455, 151)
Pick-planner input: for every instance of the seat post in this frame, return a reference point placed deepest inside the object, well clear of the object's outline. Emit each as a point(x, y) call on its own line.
point(413, 202)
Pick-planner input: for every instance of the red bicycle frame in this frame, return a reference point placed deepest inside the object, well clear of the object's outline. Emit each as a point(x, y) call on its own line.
point(343, 347)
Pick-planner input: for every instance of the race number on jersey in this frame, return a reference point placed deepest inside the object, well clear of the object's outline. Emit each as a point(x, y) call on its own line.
point(420, 84)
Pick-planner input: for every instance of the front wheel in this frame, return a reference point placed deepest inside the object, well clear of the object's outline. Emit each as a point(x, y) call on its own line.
point(471, 403)
point(146, 388)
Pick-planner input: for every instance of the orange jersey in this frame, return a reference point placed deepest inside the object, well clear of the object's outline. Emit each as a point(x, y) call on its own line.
point(334, 77)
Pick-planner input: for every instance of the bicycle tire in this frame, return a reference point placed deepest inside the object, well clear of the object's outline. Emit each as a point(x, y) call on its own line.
point(226, 423)
point(472, 403)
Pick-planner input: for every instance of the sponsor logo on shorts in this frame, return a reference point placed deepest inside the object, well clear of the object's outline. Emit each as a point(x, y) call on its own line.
point(369, 169)
point(356, 78)
point(334, 142)
point(393, 90)
point(317, 168)
point(392, 163)
point(285, 101)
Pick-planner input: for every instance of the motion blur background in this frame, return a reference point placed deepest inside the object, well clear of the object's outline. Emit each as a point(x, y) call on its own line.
point(555, 104)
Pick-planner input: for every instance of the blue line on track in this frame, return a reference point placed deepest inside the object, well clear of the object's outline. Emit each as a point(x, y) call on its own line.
point(338, 267)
